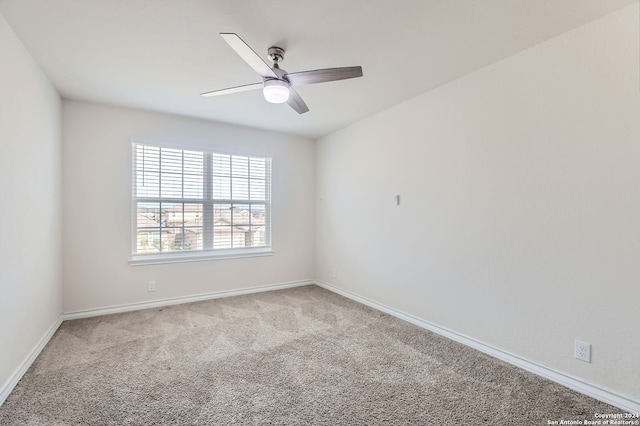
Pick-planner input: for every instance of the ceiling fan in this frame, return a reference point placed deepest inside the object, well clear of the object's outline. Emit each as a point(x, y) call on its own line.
point(277, 84)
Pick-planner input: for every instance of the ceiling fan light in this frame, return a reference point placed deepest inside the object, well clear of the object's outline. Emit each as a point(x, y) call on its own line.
point(276, 91)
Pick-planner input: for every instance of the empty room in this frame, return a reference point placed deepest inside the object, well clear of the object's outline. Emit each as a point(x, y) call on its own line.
point(319, 212)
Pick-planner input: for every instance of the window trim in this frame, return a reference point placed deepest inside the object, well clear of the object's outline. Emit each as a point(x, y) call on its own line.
point(199, 256)
point(208, 253)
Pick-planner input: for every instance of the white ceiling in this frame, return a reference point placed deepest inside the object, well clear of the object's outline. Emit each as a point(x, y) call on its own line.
point(160, 54)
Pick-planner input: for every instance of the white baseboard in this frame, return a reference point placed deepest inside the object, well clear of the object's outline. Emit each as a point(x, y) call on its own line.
point(555, 376)
point(86, 313)
point(13, 380)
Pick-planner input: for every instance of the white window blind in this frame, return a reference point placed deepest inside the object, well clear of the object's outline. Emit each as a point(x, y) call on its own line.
point(187, 201)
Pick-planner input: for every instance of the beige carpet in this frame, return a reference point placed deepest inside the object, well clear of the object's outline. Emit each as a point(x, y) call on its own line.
point(302, 356)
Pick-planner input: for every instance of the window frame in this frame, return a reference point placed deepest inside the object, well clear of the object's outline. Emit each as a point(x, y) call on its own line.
point(208, 201)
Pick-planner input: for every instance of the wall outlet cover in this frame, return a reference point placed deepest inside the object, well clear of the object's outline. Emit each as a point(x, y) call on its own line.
point(582, 351)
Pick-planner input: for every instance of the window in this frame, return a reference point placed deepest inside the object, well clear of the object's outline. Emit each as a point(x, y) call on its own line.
point(189, 205)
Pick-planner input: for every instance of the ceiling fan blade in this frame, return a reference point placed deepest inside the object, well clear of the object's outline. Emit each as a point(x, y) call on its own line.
point(296, 102)
point(249, 56)
point(322, 76)
point(236, 89)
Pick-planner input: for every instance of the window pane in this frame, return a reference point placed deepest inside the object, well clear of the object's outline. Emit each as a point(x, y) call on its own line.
point(188, 239)
point(243, 234)
point(148, 158)
point(238, 238)
point(239, 166)
point(171, 160)
point(168, 219)
point(257, 189)
point(178, 239)
point(193, 214)
point(147, 183)
point(195, 218)
point(193, 174)
point(257, 214)
point(148, 241)
point(221, 188)
point(258, 168)
point(148, 215)
point(222, 213)
point(147, 225)
point(193, 226)
point(221, 237)
point(240, 189)
point(170, 185)
point(193, 186)
point(221, 164)
point(193, 162)
point(165, 239)
point(171, 214)
point(241, 215)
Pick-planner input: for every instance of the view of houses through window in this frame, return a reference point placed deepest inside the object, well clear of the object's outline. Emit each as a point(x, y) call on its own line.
point(187, 200)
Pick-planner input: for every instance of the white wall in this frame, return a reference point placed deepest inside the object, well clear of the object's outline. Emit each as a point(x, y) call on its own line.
point(520, 204)
point(30, 218)
point(97, 208)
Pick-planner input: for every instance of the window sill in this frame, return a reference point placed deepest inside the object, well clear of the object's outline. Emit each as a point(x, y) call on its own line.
point(156, 259)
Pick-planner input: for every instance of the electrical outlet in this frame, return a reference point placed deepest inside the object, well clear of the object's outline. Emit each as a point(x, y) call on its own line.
point(582, 351)
point(151, 286)
point(334, 273)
